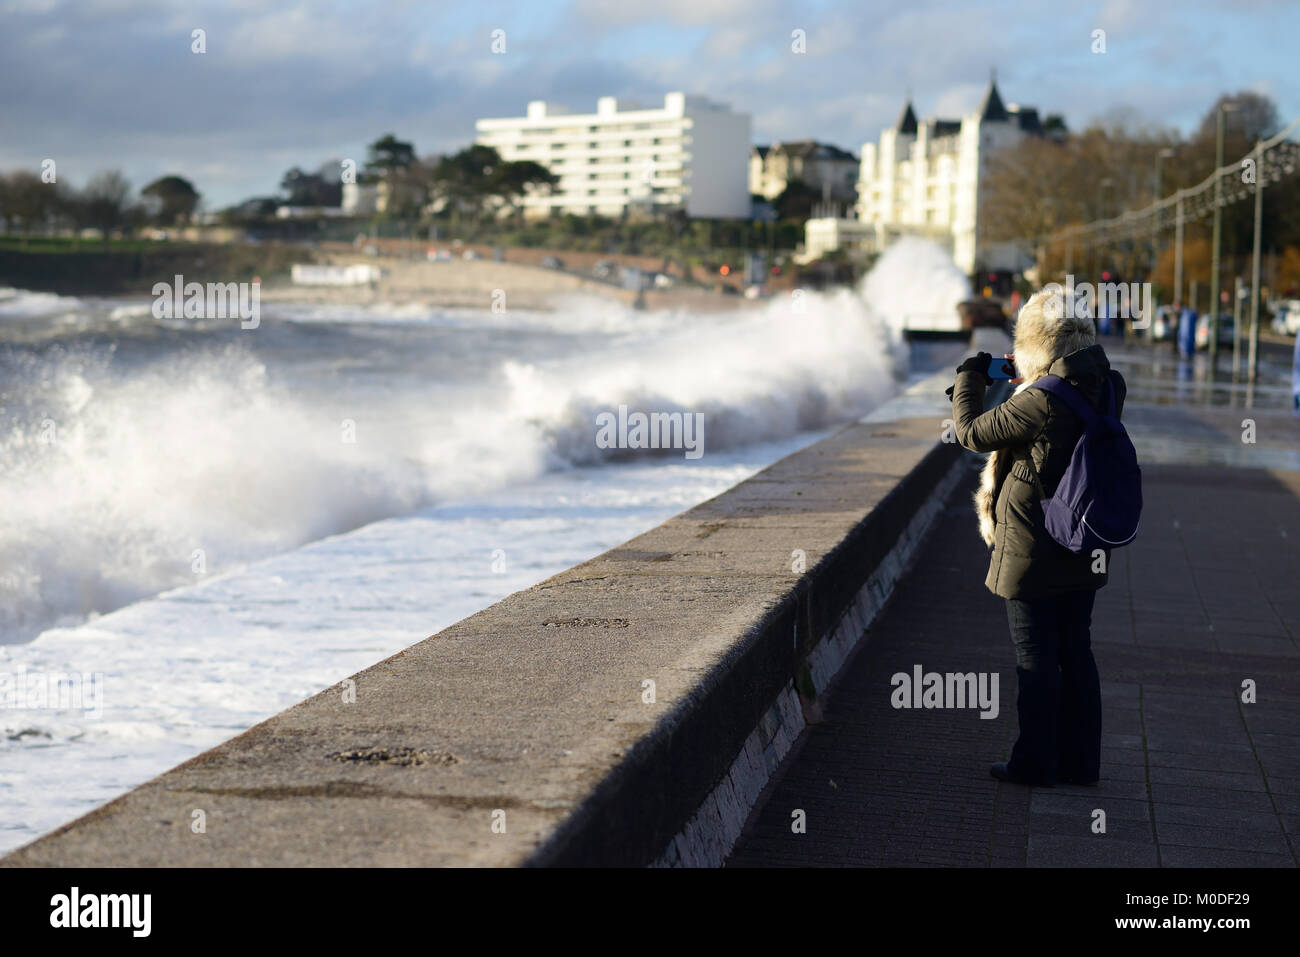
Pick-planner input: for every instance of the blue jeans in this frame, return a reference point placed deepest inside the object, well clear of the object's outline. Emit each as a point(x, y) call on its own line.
point(1058, 699)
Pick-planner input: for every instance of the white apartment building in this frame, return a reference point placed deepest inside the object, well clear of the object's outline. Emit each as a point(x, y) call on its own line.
point(690, 154)
point(927, 178)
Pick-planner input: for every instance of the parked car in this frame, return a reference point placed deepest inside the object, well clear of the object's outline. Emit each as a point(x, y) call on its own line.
point(605, 269)
point(439, 255)
point(1286, 319)
point(1203, 330)
point(632, 277)
point(1164, 325)
point(552, 262)
point(472, 254)
point(663, 281)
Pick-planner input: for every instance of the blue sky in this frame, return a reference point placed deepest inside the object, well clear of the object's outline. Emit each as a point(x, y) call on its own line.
point(100, 84)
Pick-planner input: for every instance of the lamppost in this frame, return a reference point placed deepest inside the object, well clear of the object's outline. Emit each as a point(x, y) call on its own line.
point(1099, 250)
point(1155, 218)
point(1218, 219)
point(1179, 221)
point(1253, 361)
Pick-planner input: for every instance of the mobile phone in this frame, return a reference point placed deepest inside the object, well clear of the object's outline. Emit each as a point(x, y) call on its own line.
point(1001, 368)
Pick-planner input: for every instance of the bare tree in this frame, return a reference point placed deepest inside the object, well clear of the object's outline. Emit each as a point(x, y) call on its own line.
point(106, 202)
point(29, 203)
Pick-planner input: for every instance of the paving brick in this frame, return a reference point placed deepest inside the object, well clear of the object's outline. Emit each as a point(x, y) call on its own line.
point(1217, 817)
point(1097, 850)
point(1228, 780)
point(1239, 839)
point(912, 786)
point(1179, 856)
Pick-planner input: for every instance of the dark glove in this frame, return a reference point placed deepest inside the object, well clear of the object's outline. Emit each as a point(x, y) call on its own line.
point(978, 363)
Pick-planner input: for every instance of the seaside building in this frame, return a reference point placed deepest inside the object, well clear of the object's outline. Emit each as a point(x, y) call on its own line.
point(829, 170)
point(832, 233)
point(690, 154)
point(360, 199)
point(927, 178)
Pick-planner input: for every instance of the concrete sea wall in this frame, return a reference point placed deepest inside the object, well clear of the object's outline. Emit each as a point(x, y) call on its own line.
point(627, 711)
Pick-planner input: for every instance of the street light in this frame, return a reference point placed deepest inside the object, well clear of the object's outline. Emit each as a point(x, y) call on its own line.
point(1102, 188)
point(1254, 263)
point(1218, 220)
point(1155, 217)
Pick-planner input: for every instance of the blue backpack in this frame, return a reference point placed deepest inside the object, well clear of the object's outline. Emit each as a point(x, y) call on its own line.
point(1099, 499)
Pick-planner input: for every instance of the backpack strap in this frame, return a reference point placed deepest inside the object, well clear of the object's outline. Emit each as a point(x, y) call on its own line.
point(1071, 396)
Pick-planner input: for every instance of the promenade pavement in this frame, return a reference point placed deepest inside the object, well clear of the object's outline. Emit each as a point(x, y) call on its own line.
point(1203, 606)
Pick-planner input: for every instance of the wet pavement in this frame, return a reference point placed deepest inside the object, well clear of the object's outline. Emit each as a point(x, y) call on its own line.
point(1195, 638)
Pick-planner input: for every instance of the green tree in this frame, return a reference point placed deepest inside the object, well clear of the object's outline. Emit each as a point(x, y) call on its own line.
point(463, 181)
point(387, 154)
point(512, 181)
point(299, 187)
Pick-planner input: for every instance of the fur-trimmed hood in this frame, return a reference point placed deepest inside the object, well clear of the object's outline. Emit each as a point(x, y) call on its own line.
point(1042, 337)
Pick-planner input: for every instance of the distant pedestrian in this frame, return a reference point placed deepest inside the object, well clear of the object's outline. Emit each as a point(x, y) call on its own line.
point(1049, 589)
point(1295, 377)
point(1187, 332)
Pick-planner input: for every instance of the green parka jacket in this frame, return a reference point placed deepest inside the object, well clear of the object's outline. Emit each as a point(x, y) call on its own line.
point(1039, 432)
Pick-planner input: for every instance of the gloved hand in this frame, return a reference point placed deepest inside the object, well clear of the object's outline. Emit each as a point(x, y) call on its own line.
point(980, 363)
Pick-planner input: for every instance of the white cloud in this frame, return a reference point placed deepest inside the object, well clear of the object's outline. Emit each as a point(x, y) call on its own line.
point(287, 82)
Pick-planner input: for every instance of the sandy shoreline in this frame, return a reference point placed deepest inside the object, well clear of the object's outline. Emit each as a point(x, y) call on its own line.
point(486, 284)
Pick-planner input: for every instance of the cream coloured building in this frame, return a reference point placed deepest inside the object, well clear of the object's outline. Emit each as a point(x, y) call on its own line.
point(926, 177)
point(690, 154)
